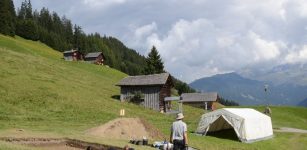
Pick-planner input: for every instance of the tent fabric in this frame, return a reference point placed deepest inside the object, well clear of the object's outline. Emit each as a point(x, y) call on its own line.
point(249, 124)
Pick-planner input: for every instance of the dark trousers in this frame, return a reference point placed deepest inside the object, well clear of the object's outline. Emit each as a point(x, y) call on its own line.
point(179, 145)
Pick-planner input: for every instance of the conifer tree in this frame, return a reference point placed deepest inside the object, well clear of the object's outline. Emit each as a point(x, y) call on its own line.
point(154, 64)
point(29, 14)
point(7, 17)
point(22, 11)
point(26, 25)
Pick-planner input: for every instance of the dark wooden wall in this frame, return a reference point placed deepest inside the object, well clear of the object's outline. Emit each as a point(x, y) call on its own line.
point(99, 60)
point(95, 60)
point(151, 95)
point(73, 56)
point(165, 92)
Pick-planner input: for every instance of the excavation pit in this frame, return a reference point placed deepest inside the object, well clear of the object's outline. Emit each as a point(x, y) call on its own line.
point(59, 144)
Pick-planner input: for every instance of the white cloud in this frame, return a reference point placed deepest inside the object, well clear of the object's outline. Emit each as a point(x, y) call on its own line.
point(263, 50)
point(145, 30)
point(224, 42)
point(102, 3)
point(297, 56)
point(199, 46)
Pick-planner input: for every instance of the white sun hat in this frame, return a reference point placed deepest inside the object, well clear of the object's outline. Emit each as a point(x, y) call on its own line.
point(179, 116)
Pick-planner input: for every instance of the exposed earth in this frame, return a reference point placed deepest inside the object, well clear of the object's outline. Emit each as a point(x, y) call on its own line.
point(291, 130)
point(120, 128)
point(58, 144)
point(126, 128)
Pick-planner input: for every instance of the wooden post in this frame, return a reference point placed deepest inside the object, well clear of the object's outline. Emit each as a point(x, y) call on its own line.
point(180, 107)
point(122, 112)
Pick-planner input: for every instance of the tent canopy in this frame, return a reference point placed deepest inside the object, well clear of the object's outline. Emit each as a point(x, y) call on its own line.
point(249, 124)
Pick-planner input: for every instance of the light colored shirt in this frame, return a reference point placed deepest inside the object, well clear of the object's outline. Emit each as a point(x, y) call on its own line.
point(178, 129)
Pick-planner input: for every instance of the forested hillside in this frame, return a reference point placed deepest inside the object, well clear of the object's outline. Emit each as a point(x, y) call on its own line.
point(62, 35)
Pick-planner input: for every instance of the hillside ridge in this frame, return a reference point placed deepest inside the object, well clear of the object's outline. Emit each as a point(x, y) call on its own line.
point(250, 92)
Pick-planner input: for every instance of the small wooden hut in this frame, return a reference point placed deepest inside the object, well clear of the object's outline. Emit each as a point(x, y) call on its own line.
point(202, 100)
point(72, 55)
point(154, 88)
point(95, 58)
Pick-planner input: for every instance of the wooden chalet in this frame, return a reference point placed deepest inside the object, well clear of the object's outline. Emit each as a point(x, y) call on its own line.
point(95, 58)
point(154, 88)
point(72, 55)
point(202, 100)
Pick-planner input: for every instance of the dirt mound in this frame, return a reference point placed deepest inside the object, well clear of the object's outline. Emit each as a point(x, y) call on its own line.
point(126, 128)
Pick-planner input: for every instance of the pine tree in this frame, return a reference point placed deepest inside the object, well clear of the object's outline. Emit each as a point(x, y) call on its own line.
point(27, 27)
point(154, 64)
point(7, 17)
point(25, 11)
point(77, 37)
point(22, 11)
point(29, 14)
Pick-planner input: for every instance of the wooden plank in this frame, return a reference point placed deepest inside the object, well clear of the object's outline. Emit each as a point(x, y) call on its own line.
point(174, 98)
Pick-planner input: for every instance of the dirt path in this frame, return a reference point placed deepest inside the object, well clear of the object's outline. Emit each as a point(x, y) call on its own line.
point(291, 130)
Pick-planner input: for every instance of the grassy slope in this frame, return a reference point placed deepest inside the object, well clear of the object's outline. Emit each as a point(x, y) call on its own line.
point(41, 92)
point(44, 95)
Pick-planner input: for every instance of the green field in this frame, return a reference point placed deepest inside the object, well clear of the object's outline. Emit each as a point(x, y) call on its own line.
point(45, 96)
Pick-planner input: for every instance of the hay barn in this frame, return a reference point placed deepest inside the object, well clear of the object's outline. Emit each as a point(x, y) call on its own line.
point(72, 55)
point(202, 100)
point(154, 88)
point(95, 58)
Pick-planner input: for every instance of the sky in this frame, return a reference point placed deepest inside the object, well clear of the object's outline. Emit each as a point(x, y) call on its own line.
point(198, 38)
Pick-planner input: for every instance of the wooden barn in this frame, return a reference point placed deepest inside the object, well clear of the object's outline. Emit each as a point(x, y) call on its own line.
point(72, 55)
point(95, 58)
point(154, 88)
point(202, 100)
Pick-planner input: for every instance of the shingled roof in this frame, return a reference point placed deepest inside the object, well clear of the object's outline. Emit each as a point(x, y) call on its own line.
point(70, 51)
point(94, 54)
point(199, 97)
point(154, 79)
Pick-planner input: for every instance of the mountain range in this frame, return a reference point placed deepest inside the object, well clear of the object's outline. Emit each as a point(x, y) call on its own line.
point(303, 103)
point(248, 91)
point(281, 74)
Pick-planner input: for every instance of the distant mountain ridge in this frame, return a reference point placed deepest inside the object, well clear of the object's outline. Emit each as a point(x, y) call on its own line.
point(281, 74)
point(303, 103)
point(250, 92)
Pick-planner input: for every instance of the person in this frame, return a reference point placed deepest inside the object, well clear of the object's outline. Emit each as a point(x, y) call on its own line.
point(126, 147)
point(178, 135)
point(267, 111)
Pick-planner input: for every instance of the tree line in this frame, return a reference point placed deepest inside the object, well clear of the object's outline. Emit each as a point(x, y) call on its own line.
point(61, 34)
point(227, 102)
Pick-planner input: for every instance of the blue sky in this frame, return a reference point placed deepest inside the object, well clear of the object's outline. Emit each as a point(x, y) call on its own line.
point(198, 38)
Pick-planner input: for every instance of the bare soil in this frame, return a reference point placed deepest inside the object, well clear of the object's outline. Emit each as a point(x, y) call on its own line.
point(58, 144)
point(291, 130)
point(57, 147)
point(126, 128)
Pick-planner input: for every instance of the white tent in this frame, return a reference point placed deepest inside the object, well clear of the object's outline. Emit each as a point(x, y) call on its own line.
point(249, 124)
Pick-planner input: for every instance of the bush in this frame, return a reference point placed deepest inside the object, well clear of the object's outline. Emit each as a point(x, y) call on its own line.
point(138, 97)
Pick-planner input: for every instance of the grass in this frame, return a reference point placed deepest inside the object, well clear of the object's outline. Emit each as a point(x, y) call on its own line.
point(48, 97)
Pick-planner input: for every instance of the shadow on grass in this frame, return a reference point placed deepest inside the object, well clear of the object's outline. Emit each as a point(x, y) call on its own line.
point(116, 97)
point(229, 134)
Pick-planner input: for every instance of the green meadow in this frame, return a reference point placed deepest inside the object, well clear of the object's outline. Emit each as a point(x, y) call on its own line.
point(41, 95)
